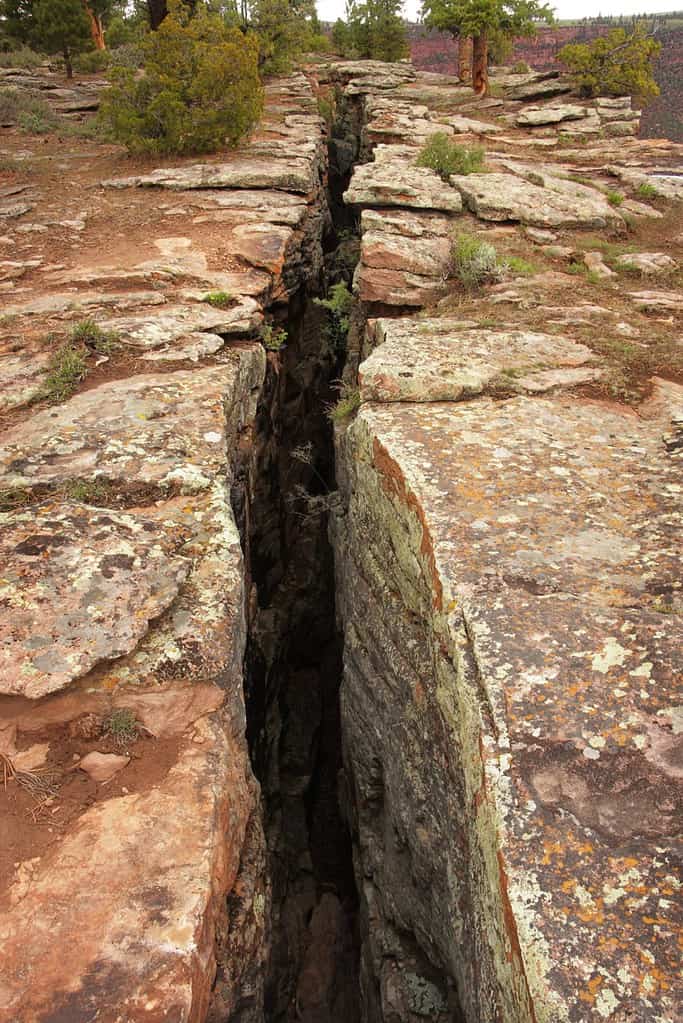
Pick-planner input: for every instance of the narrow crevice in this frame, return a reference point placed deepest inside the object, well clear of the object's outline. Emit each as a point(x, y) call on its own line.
point(293, 674)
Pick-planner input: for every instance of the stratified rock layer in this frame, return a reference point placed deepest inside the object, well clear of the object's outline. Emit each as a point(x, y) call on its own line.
point(135, 885)
point(508, 565)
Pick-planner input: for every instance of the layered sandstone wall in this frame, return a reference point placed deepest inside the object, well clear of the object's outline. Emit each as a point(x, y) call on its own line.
point(134, 877)
point(508, 562)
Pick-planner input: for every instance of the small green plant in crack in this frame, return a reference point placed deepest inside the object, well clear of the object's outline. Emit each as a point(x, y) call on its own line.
point(614, 198)
point(86, 491)
point(520, 267)
point(66, 369)
point(273, 338)
point(445, 157)
point(338, 306)
point(346, 405)
point(581, 270)
point(89, 334)
point(647, 191)
point(218, 299)
point(121, 726)
point(12, 498)
point(474, 262)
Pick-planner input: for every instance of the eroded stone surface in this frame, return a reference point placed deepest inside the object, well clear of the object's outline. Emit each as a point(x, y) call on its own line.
point(559, 204)
point(510, 594)
point(164, 429)
point(152, 901)
point(81, 962)
point(437, 360)
point(516, 531)
point(79, 586)
point(388, 185)
point(551, 114)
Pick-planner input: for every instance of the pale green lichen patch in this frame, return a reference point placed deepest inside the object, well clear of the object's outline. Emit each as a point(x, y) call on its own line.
point(524, 521)
point(79, 586)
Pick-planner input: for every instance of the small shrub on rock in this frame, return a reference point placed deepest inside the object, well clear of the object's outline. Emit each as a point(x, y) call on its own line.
point(199, 91)
point(218, 299)
point(647, 191)
point(121, 726)
point(66, 370)
point(474, 262)
point(445, 157)
point(347, 404)
point(28, 110)
point(273, 338)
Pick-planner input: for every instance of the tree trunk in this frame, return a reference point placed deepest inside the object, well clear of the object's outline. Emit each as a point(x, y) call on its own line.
point(66, 53)
point(465, 59)
point(96, 29)
point(480, 64)
point(157, 11)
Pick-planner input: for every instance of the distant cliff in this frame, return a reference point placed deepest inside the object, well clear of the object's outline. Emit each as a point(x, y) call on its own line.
point(433, 51)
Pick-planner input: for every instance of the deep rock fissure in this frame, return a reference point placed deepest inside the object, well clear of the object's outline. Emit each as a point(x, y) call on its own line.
point(292, 682)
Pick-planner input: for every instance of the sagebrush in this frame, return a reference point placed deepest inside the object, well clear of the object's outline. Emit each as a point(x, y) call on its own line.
point(446, 157)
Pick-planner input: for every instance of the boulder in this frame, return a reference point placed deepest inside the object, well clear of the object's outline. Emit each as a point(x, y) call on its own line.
point(398, 184)
point(559, 203)
point(438, 360)
point(165, 430)
point(596, 264)
point(647, 262)
point(292, 175)
point(509, 665)
point(530, 117)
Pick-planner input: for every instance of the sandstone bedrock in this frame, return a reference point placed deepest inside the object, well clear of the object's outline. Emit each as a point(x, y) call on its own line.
point(507, 549)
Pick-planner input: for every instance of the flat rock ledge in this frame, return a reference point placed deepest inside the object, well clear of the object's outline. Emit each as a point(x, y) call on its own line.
point(137, 888)
point(509, 566)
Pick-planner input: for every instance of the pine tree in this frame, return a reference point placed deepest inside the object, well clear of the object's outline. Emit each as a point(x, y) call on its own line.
point(480, 18)
point(375, 31)
point(617, 64)
point(18, 19)
point(62, 26)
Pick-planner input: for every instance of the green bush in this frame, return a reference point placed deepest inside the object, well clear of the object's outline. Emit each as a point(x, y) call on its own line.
point(647, 191)
point(373, 30)
point(91, 62)
point(273, 338)
point(22, 57)
point(218, 299)
point(521, 68)
point(88, 333)
point(27, 109)
point(128, 55)
point(617, 64)
point(474, 262)
point(320, 43)
point(200, 88)
point(66, 370)
point(282, 32)
point(445, 157)
point(347, 404)
point(614, 198)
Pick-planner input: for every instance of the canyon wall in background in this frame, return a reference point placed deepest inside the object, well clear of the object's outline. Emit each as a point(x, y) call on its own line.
point(663, 116)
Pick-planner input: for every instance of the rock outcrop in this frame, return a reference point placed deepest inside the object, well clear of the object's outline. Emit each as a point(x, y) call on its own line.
point(134, 882)
point(508, 575)
point(506, 532)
